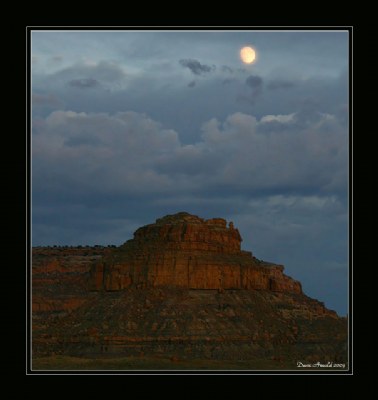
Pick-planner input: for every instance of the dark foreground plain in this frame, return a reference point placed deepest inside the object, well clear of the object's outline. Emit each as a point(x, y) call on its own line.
point(67, 363)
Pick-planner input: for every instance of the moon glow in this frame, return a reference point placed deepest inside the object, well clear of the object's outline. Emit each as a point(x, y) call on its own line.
point(247, 55)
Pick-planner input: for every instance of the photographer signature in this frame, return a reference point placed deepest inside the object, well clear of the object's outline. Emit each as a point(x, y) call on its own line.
point(329, 364)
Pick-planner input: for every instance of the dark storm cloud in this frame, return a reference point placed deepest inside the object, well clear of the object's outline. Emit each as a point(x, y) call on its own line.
point(192, 84)
point(83, 83)
point(255, 82)
point(254, 85)
point(233, 155)
point(280, 84)
point(196, 67)
point(159, 93)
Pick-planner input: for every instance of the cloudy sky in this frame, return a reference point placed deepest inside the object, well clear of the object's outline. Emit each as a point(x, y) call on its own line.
point(128, 126)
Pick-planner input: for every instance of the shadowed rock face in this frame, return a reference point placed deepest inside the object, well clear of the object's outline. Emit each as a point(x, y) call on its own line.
point(186, 251)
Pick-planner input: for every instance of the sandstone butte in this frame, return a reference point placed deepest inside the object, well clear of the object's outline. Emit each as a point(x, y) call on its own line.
point(186, 251)
point(181, 288)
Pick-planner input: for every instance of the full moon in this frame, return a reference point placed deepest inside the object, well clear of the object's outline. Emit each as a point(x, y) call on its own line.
point(248, 55)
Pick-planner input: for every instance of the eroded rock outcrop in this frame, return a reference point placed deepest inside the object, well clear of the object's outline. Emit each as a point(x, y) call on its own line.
point(186, 251)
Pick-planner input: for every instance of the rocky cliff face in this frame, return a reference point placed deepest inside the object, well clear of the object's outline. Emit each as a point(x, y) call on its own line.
point(186, 251)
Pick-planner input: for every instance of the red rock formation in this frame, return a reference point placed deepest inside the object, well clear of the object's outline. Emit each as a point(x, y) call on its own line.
point(145, 299)
point(186, 251)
